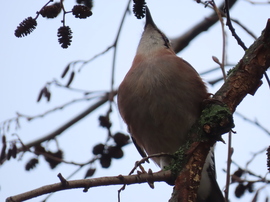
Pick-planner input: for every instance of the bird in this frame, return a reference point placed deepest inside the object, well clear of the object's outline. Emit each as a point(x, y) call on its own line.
point(159, 99)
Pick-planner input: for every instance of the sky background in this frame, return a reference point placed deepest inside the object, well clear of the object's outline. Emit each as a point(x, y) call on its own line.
point(28, 63)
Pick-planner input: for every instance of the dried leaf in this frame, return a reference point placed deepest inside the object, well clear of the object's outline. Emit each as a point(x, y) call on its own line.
point(14, 151)
point(40, 94)
point(70, 78)
point(3, 152)
point(31, 164)
point(90, 172)
point(9, 154)
point(65, 71)
point(4, 139)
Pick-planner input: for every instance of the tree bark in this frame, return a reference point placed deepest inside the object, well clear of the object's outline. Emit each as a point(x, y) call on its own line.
point(244, 78)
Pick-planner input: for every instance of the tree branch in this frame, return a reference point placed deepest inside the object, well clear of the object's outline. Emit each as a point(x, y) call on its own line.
point(65, 126)
point(182, 41)
point(244, 79)
point(88, 183)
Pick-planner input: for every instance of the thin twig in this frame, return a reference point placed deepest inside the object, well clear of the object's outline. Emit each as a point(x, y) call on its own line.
point(229, 162)
point(84, 62)
point(254, 122)
point(222, 64)
point(254, 156)
point(182, 41)
point(29, 118)
point(248, 171)
point(65, 126)
point(85, 92)
point(138, 164)
point(116, 43)
point(229, 24)
point(257, 2)
point(244, 28)
point(69, 177)
point(19, 115)
point(215, 68)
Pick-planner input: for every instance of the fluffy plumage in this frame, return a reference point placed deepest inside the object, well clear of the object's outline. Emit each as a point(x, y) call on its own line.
point(160, 99)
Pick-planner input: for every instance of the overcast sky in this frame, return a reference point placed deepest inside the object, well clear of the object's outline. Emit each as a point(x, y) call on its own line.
point(28, 63)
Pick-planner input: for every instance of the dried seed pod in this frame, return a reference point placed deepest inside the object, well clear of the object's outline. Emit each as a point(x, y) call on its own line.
point(31, 164)
point(240, 190)
point(98, 149)
point(51, 11)
point(64, 36)
point(105, 161)
point(53, 162)
point(237, 173)
point(115, 152)
point(121, 139)
point(81, 12)
point(250, 187)
point(90, 172)
point(88, 3)
point(139, 8)
point(26, 27)
point(104, 121)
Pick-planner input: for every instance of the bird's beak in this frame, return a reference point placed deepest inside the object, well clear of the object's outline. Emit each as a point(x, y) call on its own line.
point(149, 20)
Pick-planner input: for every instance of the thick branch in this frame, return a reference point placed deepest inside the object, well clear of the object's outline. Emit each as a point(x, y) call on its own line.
point(88, 183)
point(182, 41)
point(244, 79)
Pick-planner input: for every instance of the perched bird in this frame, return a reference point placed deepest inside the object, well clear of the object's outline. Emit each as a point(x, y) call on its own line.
point(160, 99)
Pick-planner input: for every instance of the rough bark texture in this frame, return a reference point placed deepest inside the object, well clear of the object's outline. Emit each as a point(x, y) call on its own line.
point(244, 79)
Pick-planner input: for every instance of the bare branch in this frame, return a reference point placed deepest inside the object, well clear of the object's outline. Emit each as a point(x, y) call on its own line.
point(65, 126)
point(229, 24)
point(244, 28)
point(181, 42)
point(88, 183)
point(258, 2)
point(255, 122)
